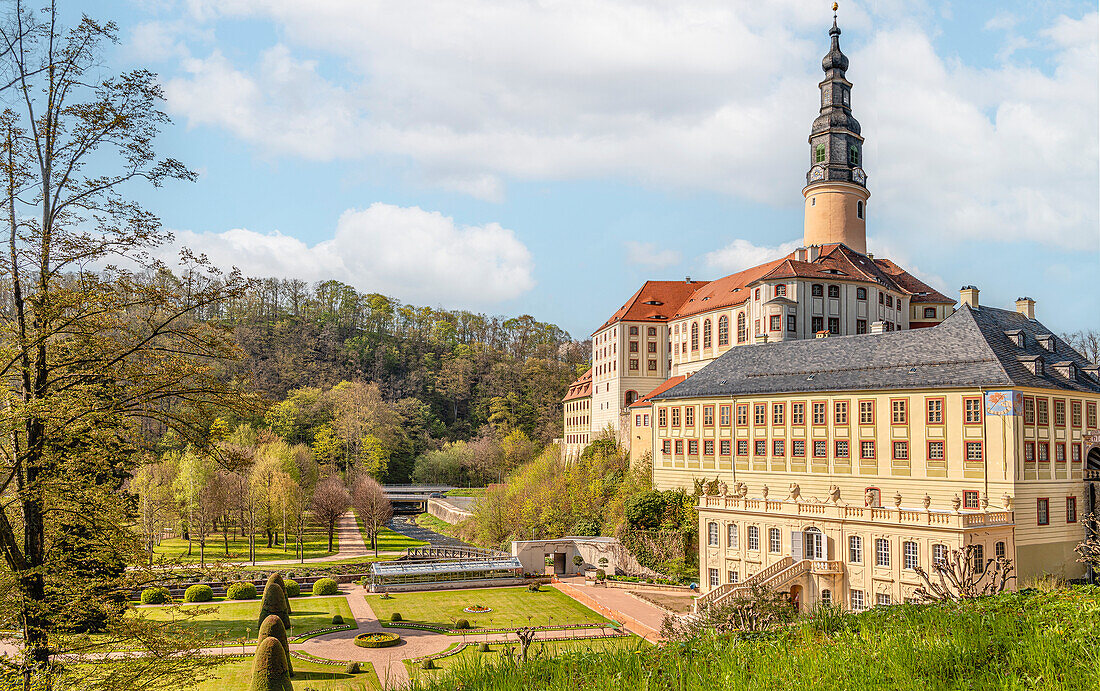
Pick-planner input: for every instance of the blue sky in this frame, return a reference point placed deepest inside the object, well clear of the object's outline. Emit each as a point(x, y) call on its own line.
point(545, 158)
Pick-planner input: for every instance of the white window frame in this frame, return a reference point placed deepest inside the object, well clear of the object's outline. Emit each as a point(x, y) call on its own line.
point(882, 551)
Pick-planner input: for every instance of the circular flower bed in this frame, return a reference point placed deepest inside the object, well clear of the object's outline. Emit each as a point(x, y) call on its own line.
point(477, 609)
point(377, 640)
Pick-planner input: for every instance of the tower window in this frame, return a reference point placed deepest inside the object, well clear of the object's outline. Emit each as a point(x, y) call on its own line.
point(859, 209)
point(819, 153)
point(853, 155)
point(813, 201)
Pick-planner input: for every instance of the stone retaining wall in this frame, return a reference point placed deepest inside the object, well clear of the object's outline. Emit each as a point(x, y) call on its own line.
point(447, 512)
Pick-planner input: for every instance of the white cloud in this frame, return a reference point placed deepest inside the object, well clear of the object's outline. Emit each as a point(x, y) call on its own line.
point(742, 254)
point(405, 252)
point(695, 95)
point(648, 254)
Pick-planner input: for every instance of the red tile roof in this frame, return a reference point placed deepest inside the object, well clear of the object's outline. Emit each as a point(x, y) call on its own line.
point(918, 289)
point(644, 401)
point(655, 301)
point(582, 388)
point(725, 292)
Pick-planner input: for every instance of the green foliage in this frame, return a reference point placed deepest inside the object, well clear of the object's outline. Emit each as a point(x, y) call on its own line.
point(198, 593)
point(645, 511)
point(270, 669)
point(534, 587)
point(277, 579)
point(275, 602)
point(337, 619)
point(155, 595)
point(377, 640)
point(292, 588)
point(1025, 640)
point(241, 591)
point(483, 647)
point(352, 668)
point(272, 627)
point(427, 663)
point(587, 527)
point(325, 586)
point(462, 624)
point(396, 616)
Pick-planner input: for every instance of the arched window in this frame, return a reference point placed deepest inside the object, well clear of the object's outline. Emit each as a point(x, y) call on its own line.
point(741, 327)
point(817, 290)
point(781, 290)
point(695, 335)
point(826, 597)
point(723, 330)
point(651, 331)
point(630, 398)
point(834, 291)
point(861, 293)
point(859, 209)
point(706, 334)
point(712, 534)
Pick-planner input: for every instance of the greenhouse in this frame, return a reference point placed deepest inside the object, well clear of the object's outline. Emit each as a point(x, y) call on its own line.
point(384, 575)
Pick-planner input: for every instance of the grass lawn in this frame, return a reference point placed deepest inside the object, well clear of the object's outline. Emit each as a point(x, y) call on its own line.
point(513, 607)
point(232, 621)
point(315, 542)
point(467, 492)
point(426, 520)
point(238, 674)
point(388, 540)
point(472, 657)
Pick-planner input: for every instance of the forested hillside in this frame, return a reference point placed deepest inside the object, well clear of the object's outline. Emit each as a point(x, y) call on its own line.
point(423, 376)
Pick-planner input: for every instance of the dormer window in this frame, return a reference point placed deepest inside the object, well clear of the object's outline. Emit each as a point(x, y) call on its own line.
point(1067, 369)
point(1017, 338)
point(654, 302)
point(1033, 363)
point(1046, 341)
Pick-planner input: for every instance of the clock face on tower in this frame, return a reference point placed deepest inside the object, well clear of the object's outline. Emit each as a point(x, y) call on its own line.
point(817, 173)
point(859, 176)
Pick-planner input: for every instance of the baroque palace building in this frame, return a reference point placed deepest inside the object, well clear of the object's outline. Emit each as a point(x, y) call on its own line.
point(858, 423)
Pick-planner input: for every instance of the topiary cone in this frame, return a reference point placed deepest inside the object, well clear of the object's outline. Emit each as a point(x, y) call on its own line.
point(272, 627)
point(269, 668)
point(274, 602)
point(278, 578)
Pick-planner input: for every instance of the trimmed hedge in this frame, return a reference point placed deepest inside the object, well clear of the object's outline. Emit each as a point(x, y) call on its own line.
point(377, 640)
point(156, 595)
point(534, 587)
point(292, 588)
point(427, 664)
point(270, 671)
point(352, 668)
point(325, 586)
point(337, 619)
point(240, 591)
point(396, 616)
point(462, 624)
point(272, 627)
point(198, 593)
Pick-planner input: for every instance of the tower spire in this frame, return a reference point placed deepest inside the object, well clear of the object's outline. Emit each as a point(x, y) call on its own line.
point(836, 186)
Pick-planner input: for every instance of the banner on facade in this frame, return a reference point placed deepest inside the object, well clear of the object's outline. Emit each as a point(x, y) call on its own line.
point(1003, 403)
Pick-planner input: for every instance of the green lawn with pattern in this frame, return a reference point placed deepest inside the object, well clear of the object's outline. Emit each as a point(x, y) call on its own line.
point(315, 542)
point(229, 622)
point(513, 607)
point(472, 655)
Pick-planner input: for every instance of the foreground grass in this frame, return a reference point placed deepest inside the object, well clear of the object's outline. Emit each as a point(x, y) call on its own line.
point(473, 657)
point(426, 520)
point(512, 608)
point(307, 675)
point(229, 622)
point(315, 542)
point(388, 540)
point(467, 492)
point(1031, 640)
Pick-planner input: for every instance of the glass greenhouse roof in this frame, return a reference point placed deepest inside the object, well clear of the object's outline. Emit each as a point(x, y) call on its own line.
point(397, 568)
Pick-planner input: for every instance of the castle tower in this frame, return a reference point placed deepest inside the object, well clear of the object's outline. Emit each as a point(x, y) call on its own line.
point(836, 186)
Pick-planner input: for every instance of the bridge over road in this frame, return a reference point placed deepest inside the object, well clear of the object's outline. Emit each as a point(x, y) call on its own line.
point(413, 498)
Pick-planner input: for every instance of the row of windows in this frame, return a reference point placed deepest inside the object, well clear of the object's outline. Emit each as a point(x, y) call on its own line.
point(651, 331)
point(652, 347)
point(1037, 411)
point(820, 414)
point(972, 451)
point(1042, 510)
point(1040, 451)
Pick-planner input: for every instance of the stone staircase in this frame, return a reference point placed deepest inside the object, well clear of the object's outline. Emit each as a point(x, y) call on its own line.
point(774, 576)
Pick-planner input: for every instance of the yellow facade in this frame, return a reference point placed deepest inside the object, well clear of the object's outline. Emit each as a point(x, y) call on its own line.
point(923, 466)
point(836, 212)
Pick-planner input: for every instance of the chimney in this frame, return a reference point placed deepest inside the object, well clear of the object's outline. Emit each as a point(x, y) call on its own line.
point(1026, 307)
point(968, 295)
point(878, 327)
point(813, 252)
point(687, 279)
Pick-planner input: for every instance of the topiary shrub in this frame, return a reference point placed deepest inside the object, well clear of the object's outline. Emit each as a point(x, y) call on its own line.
point(325, 586)
point(270, 671)
point(240, 591)
point(396, 616)
point(484, 647)
point(291, 588)
point(272, 627)
point(277, 578)
point(534, 587)
point(427, 664)
point(199, 592)
point(600, 574)
point(274, 602)
point(352, 668)
point(337, 619)
point(462, 624)
point(156, 595)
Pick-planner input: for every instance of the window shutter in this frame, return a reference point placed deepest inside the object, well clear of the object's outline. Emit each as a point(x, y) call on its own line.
point(796, 545)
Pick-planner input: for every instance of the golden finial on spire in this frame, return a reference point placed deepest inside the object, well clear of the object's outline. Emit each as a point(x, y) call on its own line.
point(835, 6)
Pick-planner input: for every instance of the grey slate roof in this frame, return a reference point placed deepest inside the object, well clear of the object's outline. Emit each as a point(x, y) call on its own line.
point(970, 348)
